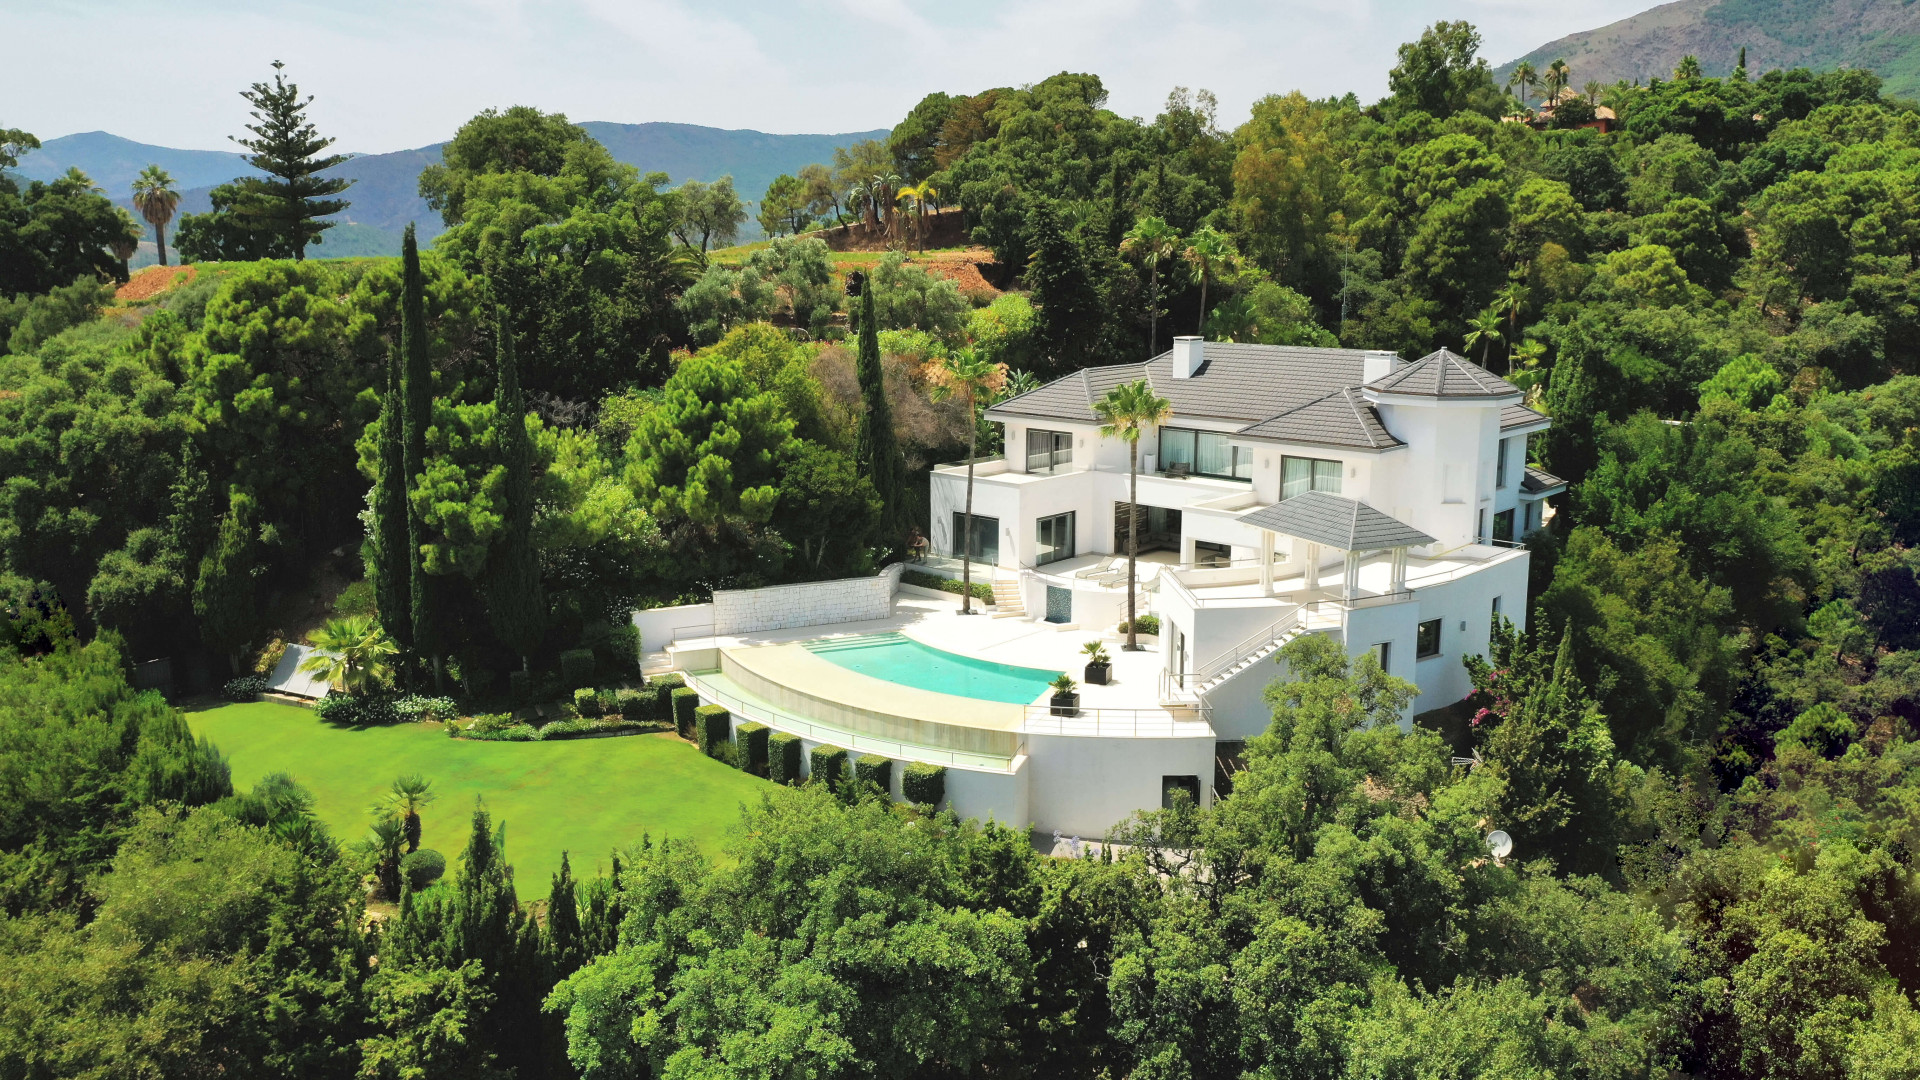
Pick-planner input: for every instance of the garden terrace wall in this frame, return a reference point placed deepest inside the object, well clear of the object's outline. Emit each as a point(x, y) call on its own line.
point(817, 603)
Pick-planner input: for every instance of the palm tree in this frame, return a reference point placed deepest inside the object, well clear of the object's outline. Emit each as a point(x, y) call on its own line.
point(1484, 330)
point(1525, 78)
point(917, 197)
point(351, 653)
point(126, 243)
point(1511, 298)
point(155, 198)
point(403, 801)
point(1593, 93)
point(882, 189)
point(1126, 411)
point(382, 845)
point(1558, 77)
point(1152, 241)
point(1689, 67)
point(972, 377)
point(1211, 252)
point(1528, 356)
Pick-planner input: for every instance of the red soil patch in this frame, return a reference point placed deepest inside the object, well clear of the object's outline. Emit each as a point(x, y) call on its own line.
point(154, 280)
point(965, 275)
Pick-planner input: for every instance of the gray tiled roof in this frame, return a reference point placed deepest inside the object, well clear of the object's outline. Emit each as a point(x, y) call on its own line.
point(1335, 522)
point(1539, 480)
point(1514, 416)
point(1444, 374)
point(1278, 392)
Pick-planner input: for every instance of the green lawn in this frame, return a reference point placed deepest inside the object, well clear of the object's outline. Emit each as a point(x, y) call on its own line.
point(585, 796)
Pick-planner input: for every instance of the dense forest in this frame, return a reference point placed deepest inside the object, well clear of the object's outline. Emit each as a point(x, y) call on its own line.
point(1703, 747)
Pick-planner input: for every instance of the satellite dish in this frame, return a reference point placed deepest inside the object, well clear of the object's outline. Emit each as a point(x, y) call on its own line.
point(1499, 844)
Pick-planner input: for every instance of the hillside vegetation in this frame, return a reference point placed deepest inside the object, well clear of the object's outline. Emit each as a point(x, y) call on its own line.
point(1822, 35)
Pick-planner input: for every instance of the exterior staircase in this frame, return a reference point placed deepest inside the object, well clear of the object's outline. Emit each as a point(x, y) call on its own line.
point(1250, 652)
point(1007, 601)
point(1256, 656)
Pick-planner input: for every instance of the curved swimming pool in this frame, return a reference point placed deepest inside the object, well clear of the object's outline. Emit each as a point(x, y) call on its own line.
point(898, 658)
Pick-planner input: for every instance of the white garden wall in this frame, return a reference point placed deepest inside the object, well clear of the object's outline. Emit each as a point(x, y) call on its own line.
point(816, 603)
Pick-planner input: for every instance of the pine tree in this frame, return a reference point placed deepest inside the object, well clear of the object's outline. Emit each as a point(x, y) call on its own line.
point(564, 945)
point(289, 202)
point(515, 605)
point(223, 594)
point(875, 448)
point(416, 402)
point(390, 543)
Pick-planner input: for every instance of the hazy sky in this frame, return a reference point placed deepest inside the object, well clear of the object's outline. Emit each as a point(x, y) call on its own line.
point(392, 74)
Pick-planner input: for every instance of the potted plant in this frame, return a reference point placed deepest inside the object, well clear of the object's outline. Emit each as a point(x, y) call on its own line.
point(1099, 664)
point(1065, 702)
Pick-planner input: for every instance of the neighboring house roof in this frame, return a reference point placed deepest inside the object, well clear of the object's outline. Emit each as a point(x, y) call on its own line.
point(1335, 522)
point(287, 678)
point(1444, 374)
point(1279, 392)
point(1514, 416)
point(1540, 482)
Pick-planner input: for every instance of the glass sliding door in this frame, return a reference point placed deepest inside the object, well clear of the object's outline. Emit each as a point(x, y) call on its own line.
point(985, 546)
point(1054, 536)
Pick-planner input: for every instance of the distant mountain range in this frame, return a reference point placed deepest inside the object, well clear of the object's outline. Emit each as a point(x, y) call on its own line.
point(385, 194)
point(1880, 35)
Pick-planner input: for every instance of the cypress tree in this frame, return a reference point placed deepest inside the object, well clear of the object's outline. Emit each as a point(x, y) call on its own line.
point(515, 605)
point(416, 395)
point(390, 542)
point(875, 449)
point(564, 944)
point(1071, 312)
point(223, 594)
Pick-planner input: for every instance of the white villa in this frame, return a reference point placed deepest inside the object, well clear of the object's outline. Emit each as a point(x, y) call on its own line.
point(1292, 490)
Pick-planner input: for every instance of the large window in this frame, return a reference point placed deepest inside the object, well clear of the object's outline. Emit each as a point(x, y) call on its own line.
point(1426, 640)
point(1503, 526)
point(1055, 537)
point(1047, 451)
point(986, 538)
point(1205, 453)
point(1500, 464)
point(1299, 475)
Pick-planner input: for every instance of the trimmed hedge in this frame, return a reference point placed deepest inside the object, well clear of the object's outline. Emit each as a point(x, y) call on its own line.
point(982, 591)
point(876, 770)
point(586, 701)
point(828, 764)
point(633, 704)
point(576, 667)
point(751, 739)
point(685, 700)
point(663, 687)
point(423, 867)
point(924, 783)
point(714, 724)
point(1145, 624)
point(244, 688)
point(783, 758)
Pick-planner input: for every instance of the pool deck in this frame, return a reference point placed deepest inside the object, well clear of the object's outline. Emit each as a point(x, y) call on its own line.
point(1023, 642)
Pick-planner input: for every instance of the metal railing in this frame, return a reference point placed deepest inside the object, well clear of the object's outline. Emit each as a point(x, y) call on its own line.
point(1118, 723)
point(837, 736)
point(1251, 644)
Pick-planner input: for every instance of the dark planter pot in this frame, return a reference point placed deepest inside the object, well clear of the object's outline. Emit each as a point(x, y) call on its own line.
point(1097, 674)
point(1066, 704)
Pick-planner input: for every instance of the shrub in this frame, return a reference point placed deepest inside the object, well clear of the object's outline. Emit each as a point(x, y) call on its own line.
point(663, 687)
point(1144, 624)
point(685, 700)
point(586, 701)
point(576, 668)
point(829, 763)
point(423, 868)
point(982, 591)
point(492, 722)
point(269, 657)
point(418, 707)
point(876, 770)
point(783, 758)
point(356, 599)
point(609, 701)
point(924, 783)
point(244, 688)
point(634, 704)
point(751, 740)
point(519, 687)
point(714, 725)
point(356, 711)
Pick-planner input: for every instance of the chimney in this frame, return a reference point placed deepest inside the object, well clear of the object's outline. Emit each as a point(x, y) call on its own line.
point(1378, 365)
point(1188, 354)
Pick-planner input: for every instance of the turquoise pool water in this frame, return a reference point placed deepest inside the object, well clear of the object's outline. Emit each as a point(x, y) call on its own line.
point(898, 658)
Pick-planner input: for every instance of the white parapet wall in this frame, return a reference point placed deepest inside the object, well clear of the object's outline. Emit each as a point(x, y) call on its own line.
point(816, 603)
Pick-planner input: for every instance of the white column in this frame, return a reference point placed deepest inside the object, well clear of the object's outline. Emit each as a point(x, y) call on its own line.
point(1313, 567)
point(1351, 582)
point(1266, 563)
point(1399, 570)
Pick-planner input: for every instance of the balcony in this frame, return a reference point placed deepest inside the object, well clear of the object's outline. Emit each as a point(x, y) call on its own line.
point(1238, 582)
